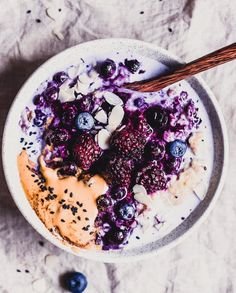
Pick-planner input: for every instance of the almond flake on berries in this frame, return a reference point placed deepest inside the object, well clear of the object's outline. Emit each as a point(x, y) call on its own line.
point(138, 188)
point(73, 71)
point(101, 116)
point(93, 74)
point(103, 139)
point(140, 194)
point(66, 94)
point(82, 88)
point(84, 79)
point(115, 118)
point(112, 99)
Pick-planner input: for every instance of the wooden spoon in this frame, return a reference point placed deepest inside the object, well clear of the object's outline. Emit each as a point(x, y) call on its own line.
point(184, 71)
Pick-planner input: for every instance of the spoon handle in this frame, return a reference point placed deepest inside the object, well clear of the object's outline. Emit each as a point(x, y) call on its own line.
point(184, 71)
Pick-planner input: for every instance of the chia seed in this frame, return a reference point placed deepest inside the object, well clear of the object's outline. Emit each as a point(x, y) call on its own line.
point(41, 243)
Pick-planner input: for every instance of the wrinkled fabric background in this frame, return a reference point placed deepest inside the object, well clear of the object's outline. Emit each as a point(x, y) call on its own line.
point(206, 261)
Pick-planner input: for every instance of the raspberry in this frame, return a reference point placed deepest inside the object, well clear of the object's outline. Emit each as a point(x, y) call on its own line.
point(86, 151)
point(119, 171)
point(129, 144)
point(152, 177)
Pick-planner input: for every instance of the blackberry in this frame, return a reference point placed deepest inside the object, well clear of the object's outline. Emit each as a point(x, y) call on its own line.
point(152, 178)
point(86, 151)
point(119, 171)
point(129, 144)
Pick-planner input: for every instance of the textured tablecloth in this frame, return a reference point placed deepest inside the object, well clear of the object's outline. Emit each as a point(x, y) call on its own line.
point(206, 261)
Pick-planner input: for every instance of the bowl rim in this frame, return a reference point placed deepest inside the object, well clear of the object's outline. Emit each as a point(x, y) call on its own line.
point(110, 257)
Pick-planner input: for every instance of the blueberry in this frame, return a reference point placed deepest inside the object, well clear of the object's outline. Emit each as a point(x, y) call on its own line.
point(120, 193)
point(177, 148)
point(107, 68)
point(126, 211)
point(157, 117)
point(117, 235)
point(84, 121)
point(76, 282)
point(40, 118)
point(132, 65)
point(39, 100)
point(60, 77)
point(103, 202)
point(139, 102)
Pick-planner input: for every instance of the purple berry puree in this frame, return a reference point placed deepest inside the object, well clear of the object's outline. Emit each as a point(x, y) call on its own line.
point(139, 150)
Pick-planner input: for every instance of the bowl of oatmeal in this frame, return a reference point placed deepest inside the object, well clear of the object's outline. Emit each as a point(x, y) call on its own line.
point(107, 173)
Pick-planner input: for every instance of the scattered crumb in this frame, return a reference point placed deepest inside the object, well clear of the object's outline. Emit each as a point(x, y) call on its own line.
point(38, 20)
point(56, 31)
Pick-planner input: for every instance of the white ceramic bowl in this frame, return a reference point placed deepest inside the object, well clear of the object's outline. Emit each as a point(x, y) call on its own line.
point(63, 60)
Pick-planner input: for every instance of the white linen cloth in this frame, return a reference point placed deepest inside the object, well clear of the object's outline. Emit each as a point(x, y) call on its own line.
point(206, 261)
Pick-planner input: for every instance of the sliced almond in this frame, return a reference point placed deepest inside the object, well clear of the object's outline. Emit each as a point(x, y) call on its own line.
point(93, 74)
point(103, 139)
point(73, 71)
point(85, 79)
point(39, 285)
point(115, 118)
point(101, 116)
point(51, 260)
point(81, 88)
point(138, 188)
point(112, 98)
point(66, 94)
point(144, 199)
point(98, 95)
